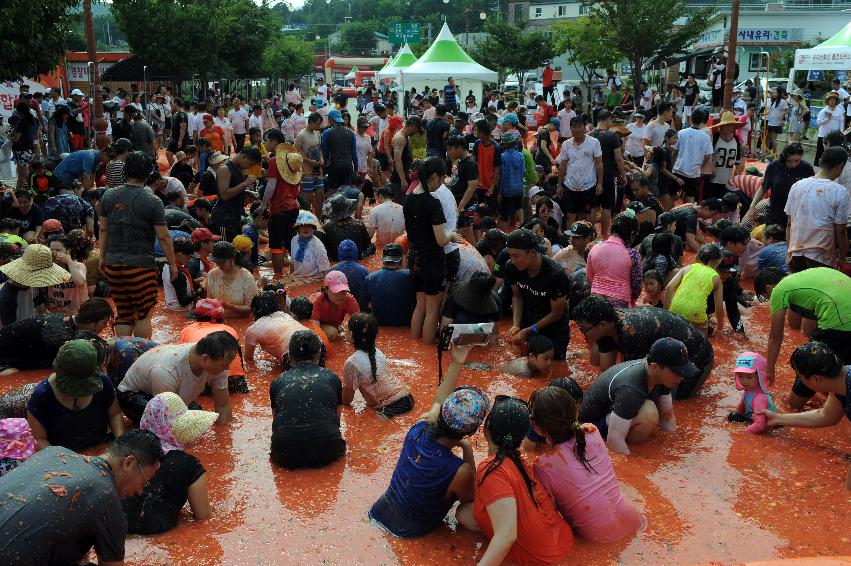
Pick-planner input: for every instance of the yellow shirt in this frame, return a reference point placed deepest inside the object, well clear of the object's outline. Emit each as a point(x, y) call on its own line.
point(257, 170)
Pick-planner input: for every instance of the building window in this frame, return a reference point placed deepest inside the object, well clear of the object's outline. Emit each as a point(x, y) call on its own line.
point(538, 12)
point(518, 13)
point(562, 11)
point(583, 9)
point(756, 63)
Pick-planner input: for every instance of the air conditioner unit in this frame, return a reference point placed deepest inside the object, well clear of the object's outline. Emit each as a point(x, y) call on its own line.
point(774, 6)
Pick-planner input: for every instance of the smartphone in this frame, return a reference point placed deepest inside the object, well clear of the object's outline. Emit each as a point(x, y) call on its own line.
point(471, 334)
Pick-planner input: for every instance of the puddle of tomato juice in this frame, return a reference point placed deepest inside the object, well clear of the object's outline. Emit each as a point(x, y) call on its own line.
point(710, 492)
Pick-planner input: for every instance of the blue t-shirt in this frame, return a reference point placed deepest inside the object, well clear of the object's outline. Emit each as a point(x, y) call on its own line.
point(512, 172)
point(449, 95)
point(355, 273)
point(392, 297)
point(76, 430)
point(79, 162)
point(415, 502)
point(773, 255)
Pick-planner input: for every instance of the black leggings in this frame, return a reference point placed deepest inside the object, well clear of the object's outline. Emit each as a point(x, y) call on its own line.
point(819, 150)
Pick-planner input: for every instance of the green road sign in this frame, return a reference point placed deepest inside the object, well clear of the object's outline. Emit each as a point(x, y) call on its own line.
point(401, 32)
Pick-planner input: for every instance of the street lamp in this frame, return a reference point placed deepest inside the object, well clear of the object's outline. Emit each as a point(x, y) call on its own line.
point(445, 2)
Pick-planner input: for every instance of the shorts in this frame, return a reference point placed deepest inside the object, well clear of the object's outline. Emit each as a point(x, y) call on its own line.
point(453, 264)
point(687, 110)
point(397, 407)
point(717, 96)
point(311, 184)
point(802, 263)
point(775, 129)
point(611, 197)
point(133, 290)
point(23, 157)
point(428, 275)
point(339, 175)
point(580, 202)
point(691, 187)
point(383, 161)
point(282, 230)
point(509, 205)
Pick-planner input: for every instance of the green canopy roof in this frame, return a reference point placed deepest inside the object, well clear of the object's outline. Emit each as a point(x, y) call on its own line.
point(841, 39)
point(405, 58)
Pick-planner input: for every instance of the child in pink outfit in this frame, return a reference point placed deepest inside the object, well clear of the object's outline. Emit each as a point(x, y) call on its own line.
point(750, 378)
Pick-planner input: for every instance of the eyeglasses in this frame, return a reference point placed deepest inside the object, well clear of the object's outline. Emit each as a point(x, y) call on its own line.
point(144, 475)
point(586, 329)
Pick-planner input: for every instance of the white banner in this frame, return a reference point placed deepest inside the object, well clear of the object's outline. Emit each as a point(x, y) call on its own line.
point(825, 58)
point(9, 92)
point(79, 72)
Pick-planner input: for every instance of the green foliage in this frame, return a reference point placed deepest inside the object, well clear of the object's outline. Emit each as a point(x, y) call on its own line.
point(35, 35)
point(357, 37)
point(785, 60)
point(288, 57)
point(643, 31)
point(588, 45)
point(512, 50)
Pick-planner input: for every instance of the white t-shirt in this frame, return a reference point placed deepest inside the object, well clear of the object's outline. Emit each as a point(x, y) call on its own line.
point(292, 96)
point(471, 262)
point(364, 144)
point(272, 333)
point(832, 123)
point(166, 368)
point(646, 99)
point(814, 207)
point(255, 122)
point(775, 112)
point(315, 262)
point(383, 390)
point(170, 292)
point(692, 147)
point(634, 146)
point(240, 291)
point(845, 180)
point(581, 169)
point(655, 132)
point(388, 220)
point(322, 90)
point(449, 206)
point(564, 117)
point(237, 119)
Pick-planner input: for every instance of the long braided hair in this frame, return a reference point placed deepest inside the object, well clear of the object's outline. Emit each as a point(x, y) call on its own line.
point(364, 329)
point(554, 412)
point(507, 425)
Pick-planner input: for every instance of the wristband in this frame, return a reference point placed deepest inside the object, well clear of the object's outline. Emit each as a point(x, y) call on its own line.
point(534, 329)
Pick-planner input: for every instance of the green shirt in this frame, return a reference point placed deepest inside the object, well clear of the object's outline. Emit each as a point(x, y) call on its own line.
point(820, 294)
point(12, 239)
point(531, 175)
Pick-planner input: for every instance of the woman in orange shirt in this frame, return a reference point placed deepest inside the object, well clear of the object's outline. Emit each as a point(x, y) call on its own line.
point(511, 507)
point(214, 134)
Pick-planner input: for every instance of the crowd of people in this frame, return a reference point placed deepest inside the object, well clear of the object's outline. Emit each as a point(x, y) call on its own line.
point(625, 228)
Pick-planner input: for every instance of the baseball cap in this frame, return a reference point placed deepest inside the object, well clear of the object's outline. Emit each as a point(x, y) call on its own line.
point(51, 225)
point(393, 253)
point(210, 308)
point(122, 144)
point(77, 92)
point(511, 117)
point(672, 354)
point(203, 234)
point(336, 281)
point(464, 410)
point(638, 207)
point(335, 116)
point(582, 228)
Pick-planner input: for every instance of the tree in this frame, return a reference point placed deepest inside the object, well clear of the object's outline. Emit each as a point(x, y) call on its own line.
point(287, 57)
point(357, 37)
point(248, 28)
point(512, 50)
point(644, 31)
point(588, 46)
point(34, 35)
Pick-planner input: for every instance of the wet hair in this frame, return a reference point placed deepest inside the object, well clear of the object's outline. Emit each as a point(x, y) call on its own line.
point(594, 310)
point(252, 153)
point(530, 225)
point(624, 226)
point(494, 239)
point(302, 308)
point(522, 239)
point(141, 444)
point(263, 304)
point(816, 358)
point(775, 232)
point(767, 276)
point(539, 344)
point(203, 142)
point(218, 345)
point(664, 107)
point(554, 411)
point(431, 166)
point(577, 122)
point(456, 141)
point(669, 133)
point(483, 127)
point(183, 246)
point(304, 346)
point(735, 234)
point(138, 166)
point(698, 116)
point(364, 329)
point(275, 134)
point(794, 148)
point(23, 193)
point(833, 157)
point(713, 204)
point(834, 139)
point(314, 117)
point(253, 130)
point(665, 219)
point(507, 424)
point(653, 274)
point(570, 385)
point(94, 310)
point(544, 202)
point(487, 223)
point(61, 238)
point(707, 253)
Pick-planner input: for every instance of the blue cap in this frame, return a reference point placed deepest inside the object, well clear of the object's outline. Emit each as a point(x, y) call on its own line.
point(335, 116)
point(555, 122)
point(347, 251)
point(510, 117)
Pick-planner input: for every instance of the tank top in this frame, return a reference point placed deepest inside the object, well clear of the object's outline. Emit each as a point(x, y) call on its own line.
point(230, 210)
point(690, 299)
point(415, 502)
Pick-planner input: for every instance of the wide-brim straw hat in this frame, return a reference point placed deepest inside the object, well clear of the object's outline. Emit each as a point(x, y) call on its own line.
point(832, 94)
point(35, 268)
point(727, 119)
point(290, 163)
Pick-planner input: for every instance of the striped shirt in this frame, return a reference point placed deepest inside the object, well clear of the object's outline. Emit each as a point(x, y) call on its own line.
point(748, 184)
point(115, 173)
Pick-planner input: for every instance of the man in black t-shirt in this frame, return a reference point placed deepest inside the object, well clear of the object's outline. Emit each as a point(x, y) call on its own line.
point(628, 401)
point(180, 136)
point(613, 170)
point(691, 90)
point(687, 216)
point(437, 131)
point(305, 400)
point(463, 183)
point(540, 290)
point(633, 331)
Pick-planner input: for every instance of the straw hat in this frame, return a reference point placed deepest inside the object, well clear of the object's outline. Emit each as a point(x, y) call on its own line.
point(168, 417)
point(289, 162)
point(35, 268)
point(832, 94)
point(727, 119)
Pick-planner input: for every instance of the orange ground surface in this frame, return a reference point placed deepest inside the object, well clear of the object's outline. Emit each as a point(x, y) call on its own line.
point(711, 492)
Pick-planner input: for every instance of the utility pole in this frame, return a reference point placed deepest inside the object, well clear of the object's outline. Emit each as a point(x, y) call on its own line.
point(90, 45)
point(731, 55)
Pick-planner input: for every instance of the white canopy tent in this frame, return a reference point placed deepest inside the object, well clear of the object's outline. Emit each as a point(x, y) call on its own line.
point(351, 75)
point(404, 59)
point(831, 55)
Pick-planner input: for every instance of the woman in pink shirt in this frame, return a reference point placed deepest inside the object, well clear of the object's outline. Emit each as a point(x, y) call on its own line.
point(332, 303)
point(577, 471)
point(614, 268)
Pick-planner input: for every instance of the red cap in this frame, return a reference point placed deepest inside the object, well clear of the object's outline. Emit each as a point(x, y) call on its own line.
point(201, 234)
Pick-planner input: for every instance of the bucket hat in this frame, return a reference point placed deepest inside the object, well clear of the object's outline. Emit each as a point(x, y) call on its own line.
point(35, 268)
point(76, 369)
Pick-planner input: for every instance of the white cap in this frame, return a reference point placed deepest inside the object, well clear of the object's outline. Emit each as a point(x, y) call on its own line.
point(77, 92)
